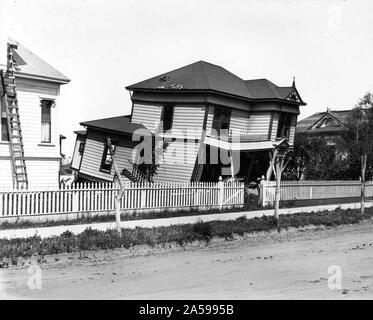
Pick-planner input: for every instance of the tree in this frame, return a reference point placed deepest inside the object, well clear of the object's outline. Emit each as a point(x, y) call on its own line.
point(280, 160)
point(358, 140)
point(299, 158)
point(314, 159)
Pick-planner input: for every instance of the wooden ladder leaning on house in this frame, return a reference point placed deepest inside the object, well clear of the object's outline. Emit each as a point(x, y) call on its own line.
point(14, 124)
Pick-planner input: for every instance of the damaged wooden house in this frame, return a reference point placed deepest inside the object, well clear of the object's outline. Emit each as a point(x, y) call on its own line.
point(30, 141)
point(214, 124)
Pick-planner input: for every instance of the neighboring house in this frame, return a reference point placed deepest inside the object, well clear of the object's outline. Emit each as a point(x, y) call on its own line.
point(91, 158)
point(202, 110)
point(29, 107)
point(328, 125)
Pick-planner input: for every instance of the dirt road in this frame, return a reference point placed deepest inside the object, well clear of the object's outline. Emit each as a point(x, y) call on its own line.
point(289, 265)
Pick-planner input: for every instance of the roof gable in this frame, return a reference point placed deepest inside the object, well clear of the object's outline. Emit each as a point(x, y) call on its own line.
point(324, 121)
point(29, 64)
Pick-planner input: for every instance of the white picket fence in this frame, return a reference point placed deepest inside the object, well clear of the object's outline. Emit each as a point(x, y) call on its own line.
point(100, 197)
point(310, 190)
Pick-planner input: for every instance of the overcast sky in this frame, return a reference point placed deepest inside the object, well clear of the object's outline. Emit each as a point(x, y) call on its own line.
point(103, 46)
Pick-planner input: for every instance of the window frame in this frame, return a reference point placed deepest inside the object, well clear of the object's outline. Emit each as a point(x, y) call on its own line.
point(51, 103)
point(171, 117)
point(4, 123)
point(103, 166)
point(284, 123)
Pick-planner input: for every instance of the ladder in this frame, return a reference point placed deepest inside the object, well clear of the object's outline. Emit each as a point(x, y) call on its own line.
point(13, 119)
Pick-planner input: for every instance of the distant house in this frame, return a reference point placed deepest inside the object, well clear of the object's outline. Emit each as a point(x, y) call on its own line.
point(203, 110)
point(328, 125)
point(91, 157)
point(30, 139)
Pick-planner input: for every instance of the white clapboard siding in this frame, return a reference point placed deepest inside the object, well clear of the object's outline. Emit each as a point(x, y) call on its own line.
point(178, 162)
point(43, 173)
point(210, 118)
point(30, 115)
point(188, 121)
point(259, 123)
point(292, 129)
point(6, 179)
point(100, 197)
point(93, 152)
point(147, 115)
point(239, 121)
point(276, 117)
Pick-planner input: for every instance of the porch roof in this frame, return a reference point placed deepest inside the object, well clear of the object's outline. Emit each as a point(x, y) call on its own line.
point(239, 146)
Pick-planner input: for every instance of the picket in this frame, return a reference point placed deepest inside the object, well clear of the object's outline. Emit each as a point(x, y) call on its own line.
point(311, 190)
point(94, 197)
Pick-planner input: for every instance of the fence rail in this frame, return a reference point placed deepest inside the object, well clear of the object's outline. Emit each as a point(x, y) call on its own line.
point(100, 197)
point(310, 190)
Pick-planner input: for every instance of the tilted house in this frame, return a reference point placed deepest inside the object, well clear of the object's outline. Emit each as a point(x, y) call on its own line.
point(206, 99)
point(91, 158)
point(203, 110)
point(328, 125)
point(30, 140)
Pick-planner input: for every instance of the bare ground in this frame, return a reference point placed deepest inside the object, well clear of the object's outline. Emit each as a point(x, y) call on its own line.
point(286, 265)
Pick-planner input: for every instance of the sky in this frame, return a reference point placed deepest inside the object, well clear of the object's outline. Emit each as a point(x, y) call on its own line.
point(103, 46)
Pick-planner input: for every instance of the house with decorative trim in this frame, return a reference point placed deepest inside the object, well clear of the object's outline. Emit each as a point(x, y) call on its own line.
point(30, 141)
point(329, 125)
point(215, 124)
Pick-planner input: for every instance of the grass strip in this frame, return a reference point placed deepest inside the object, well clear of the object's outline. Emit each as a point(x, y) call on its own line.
point(13, 249)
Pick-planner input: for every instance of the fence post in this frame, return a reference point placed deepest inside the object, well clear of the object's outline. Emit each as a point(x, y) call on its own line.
point(221, 192)
point(263, 191)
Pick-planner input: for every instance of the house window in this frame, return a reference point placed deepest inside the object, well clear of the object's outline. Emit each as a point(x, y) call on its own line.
point(46, 107)
point(4, 123)
point(107, 159)
point(167, 117)
point(222, 118)
point(81, 148)
point(284, 125)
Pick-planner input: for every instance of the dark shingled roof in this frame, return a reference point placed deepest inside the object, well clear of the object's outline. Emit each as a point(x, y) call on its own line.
point(306, 123)
point(30, 64)
point(265, 89)
point(121, 124)
point(202, 75)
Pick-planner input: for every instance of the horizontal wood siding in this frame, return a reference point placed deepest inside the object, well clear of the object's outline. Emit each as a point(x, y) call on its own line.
point(93, 151)
point(292, 129)
point(210, 118)
point(147, 115)
point(38, 86)
point(239, 122)
point(30, 115)
point(30, 93)
point(276, 116)
point(6, 179)
point(178, 162)
point(259, 123)
point(43, 173)
point(188, 121)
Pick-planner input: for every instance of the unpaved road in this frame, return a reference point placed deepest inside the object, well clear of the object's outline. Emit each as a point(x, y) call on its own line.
point(289, 265)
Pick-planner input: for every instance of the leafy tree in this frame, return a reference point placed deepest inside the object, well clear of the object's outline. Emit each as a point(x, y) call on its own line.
point(358, 140)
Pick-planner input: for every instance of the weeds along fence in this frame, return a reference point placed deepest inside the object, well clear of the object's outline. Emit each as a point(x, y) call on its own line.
point(100, 197)
point(313, 190)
